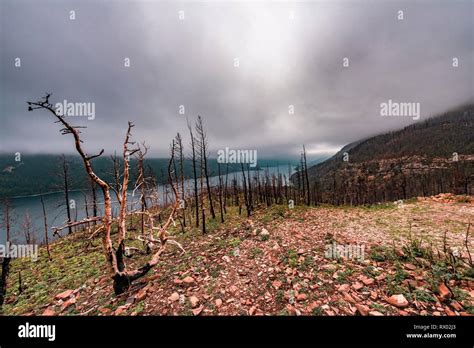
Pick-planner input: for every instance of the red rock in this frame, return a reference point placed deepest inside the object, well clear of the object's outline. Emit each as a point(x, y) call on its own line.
point(367, 281)
point(233, 289)
point(188, 280)
point(48, 312)
point(174, 297)
point(252, 310)
point(373, 295)
point(357, 286)
point(375, 314)
point(194, 301)
point(449, 312)
point(348, 298)
point(141, 294)
point(363, 310)
point(444, 292)
point(344, 288)
point(68, 303)
point(301, 297)
point(277, 284)
point(64, 295)
point(410, 266)
point(120, 310)
point(197, 311)
point(104, 310)
point(398, 301)
point(218, 303)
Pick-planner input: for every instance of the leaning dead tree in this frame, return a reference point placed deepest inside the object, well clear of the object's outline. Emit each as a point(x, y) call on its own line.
point(122, 277)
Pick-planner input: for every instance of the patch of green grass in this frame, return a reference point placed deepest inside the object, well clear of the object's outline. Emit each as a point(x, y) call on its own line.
point(254, 252)
point(291, 258)
point(378, 307)
point(382, 253)
point(342, 277)
point(280, 296)
point(234, 243)
point(423, 295)
point(317, 311)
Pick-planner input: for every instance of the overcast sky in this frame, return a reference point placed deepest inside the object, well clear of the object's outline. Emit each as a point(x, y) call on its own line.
point(288, 54)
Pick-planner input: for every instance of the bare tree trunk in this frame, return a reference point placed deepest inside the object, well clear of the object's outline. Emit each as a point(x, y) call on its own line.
point(308, 198)
point(247, 205)
point(65, 176)
point(179, 141)
point(5, 260)
point(203, 145)
point(121, 277)
point(46, 238)
point(220, 193)
point(196, 199)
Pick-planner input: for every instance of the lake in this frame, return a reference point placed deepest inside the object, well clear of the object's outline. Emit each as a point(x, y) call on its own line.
point(56, 209)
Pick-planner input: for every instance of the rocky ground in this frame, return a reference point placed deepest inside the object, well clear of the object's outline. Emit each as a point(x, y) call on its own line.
point(414, 261)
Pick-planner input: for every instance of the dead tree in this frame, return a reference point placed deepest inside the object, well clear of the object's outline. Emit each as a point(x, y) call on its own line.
point(122, 278)
point(221, 204)
point(6, 260)
point(179, 145)
point(246, 199)
point(196, 198)
point(305, 173)
point(64, 175)
point(46, 238)
point(203, 147)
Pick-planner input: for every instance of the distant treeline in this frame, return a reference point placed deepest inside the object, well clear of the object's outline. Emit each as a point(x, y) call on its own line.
point(35, 174)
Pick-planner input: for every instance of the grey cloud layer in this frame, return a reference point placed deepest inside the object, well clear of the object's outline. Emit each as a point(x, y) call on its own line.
point(282, 62)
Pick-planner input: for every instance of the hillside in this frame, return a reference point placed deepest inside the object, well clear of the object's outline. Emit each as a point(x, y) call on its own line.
point(425, 158)
point(273, 263)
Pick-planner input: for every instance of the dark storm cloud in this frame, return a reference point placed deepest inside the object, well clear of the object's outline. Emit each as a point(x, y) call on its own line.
point(189, 62)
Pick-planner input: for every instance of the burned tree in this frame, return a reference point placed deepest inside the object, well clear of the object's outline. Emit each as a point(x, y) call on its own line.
point(45, 220)
point(122, 278)
point(196, 198)
point(203, 149)
point(5, 260)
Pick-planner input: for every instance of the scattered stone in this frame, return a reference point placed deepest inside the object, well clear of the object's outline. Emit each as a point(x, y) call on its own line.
point(362, 309)
point(218, 303)
point(375, 314)
point(449, 312)
point(64, 295)
point(444, 292)
point(357, 286)
point(367, 281)
point(277, 284)
point(174, 297)
point(120, 310)
point(48, 312)
point(301, 297)
point(344, 288)
point(194, 301)
point(68, 303)
point(398, 301)
point(197, 311)
point(373, 295)
point(188, 280)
